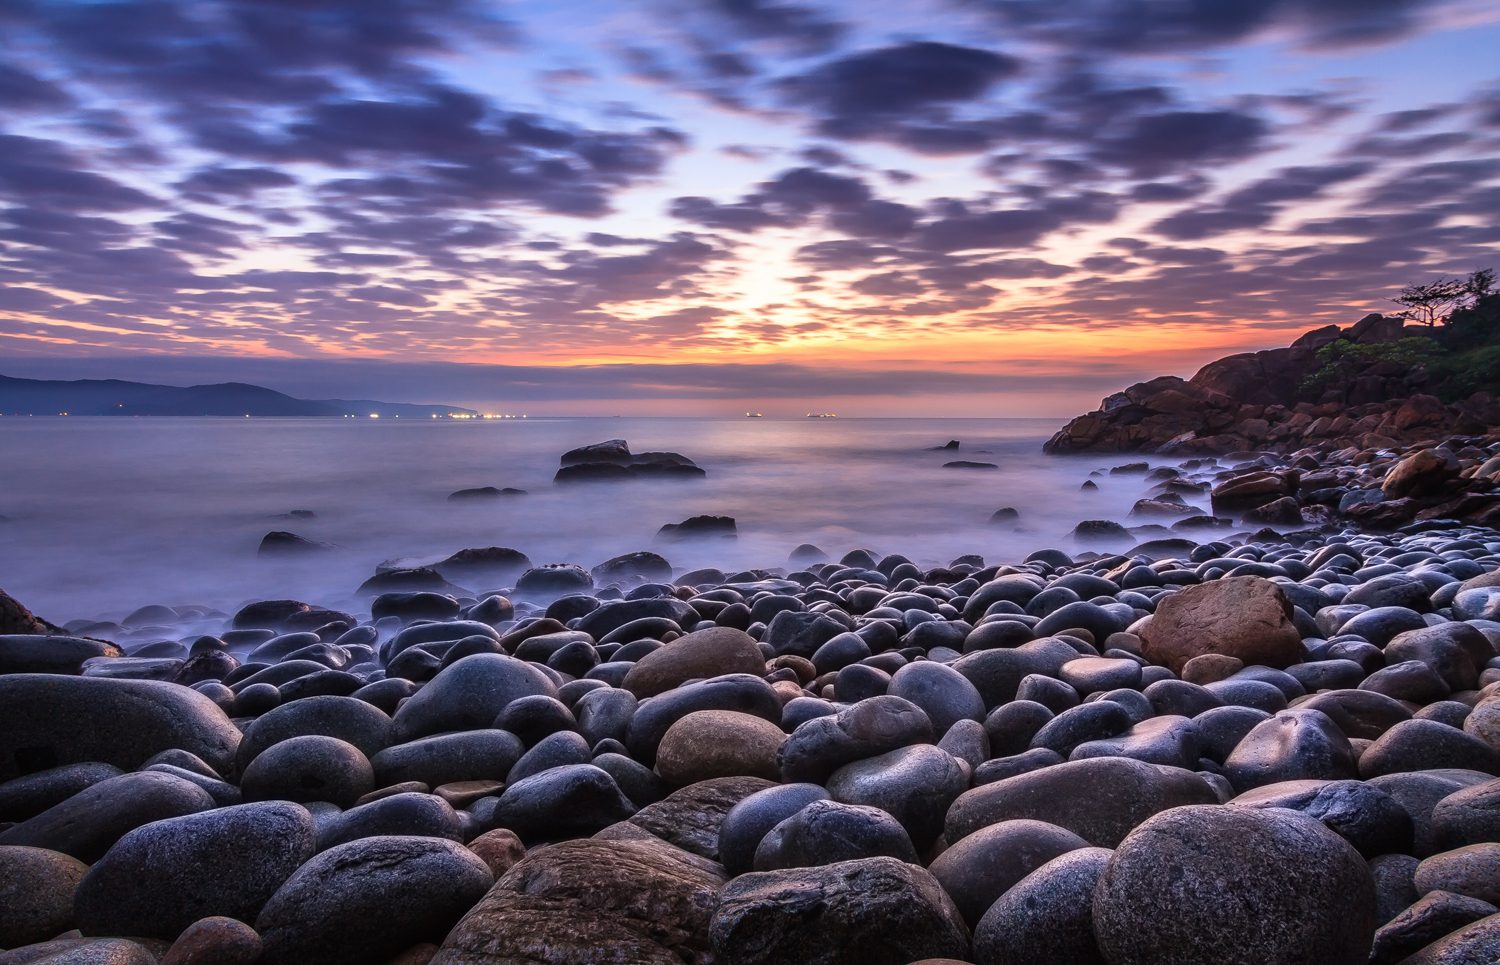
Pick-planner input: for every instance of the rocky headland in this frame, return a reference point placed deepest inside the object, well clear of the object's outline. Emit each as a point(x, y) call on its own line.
point(1372, 424)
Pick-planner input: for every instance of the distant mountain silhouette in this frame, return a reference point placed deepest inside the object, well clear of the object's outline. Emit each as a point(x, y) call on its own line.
point(95, 397)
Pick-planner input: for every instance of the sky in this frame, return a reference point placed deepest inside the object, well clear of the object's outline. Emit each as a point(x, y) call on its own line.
point(697, 207)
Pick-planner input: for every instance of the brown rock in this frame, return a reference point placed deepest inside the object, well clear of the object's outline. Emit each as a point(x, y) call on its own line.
point(700, 654)
point(500, 849)
point(719, 743)
point(1473, 870)
point(215, 941)
point(1423, 473)
point(643, 901)
point(461, 794)
point(1208, 668)
point(1253, 489)
point(1247, 617)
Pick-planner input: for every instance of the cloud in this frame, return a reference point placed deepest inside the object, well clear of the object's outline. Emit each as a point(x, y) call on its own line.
point(1154, 26)
point(902, 93)
point(805, 27)
point(1157, 144)
point(44, 172)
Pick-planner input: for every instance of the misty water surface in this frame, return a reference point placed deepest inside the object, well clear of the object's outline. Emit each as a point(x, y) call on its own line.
point(109, 514)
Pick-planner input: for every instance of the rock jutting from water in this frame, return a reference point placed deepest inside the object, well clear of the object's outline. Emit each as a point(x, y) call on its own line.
point(1260, 748)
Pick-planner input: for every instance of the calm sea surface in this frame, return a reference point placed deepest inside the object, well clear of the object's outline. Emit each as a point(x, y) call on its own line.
point(105, 515)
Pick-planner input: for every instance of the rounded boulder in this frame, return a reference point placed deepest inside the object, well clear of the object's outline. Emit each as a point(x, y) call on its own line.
point(1234, 885)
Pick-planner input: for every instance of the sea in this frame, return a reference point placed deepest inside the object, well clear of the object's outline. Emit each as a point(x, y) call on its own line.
point(103, 515)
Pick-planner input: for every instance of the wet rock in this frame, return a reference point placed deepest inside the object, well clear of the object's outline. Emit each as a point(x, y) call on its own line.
point(468, 694)
point(943, 693)
point(411, 813)
point(26, 797)
point(1470, 945)
point(742, 693)
point(1100, 799)
point(89, 822)
point(310, 768)
point(563, 802)
point(499, 849)
point(281, 543)
point(1365, 816)
point(641, 899)
point(1169, 739)
point(371, 899)
point(495, 565)
point(1415, 745)
point(346, 718)
point(118, 722)
point(985, 865)
point(877, 911)
point(1467, 816)
point(913, 784)
point(159, 879)
point(50, 653)
point(1047, 916)
point(748, 822)
point(446, 758)
point(699, 527)
point(867, 729)
point(1234, 885)
point(1294, 745)
point(826, 832)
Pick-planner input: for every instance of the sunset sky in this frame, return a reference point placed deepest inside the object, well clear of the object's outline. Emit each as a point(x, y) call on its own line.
point(681, 207)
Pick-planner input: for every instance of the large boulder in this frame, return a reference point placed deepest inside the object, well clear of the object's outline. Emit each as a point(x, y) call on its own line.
point(119, 722)
point(876, 911)
point(370, 900)
point(1246, 617)
point(642, 900)
point(1234, 885)
point(160, 878)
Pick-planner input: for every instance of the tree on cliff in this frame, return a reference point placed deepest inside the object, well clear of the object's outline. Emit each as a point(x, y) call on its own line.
point(1436, 301)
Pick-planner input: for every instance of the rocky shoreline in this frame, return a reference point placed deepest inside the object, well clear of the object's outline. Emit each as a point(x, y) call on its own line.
point(1281, 745)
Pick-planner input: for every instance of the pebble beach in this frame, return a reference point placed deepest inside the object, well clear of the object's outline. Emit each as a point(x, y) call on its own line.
point(1229, 743)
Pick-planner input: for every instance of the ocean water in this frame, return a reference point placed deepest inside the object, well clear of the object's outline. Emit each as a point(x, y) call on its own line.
point(104, 515)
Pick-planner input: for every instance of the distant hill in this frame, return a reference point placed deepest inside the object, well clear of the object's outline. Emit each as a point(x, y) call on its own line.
point(97, 397)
